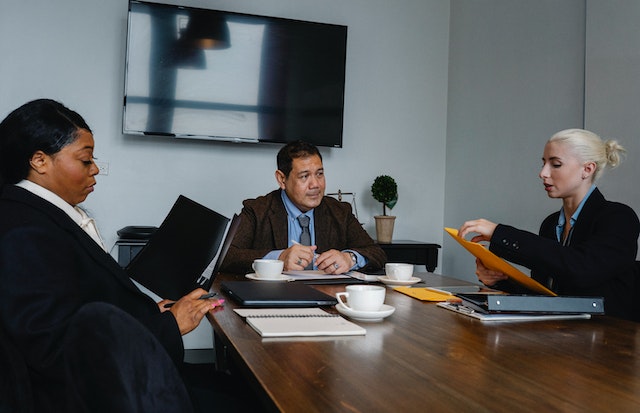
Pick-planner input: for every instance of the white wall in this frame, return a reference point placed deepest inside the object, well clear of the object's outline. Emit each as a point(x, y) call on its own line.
point(515, 78)
point(395, 109)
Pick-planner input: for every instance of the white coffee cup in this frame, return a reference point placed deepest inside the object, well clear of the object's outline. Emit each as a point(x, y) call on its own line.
point(398, 271)
point(268, 268)
point(362, 297)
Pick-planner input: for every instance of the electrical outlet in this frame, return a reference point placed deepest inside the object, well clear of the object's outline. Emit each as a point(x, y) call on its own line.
point(103, 167)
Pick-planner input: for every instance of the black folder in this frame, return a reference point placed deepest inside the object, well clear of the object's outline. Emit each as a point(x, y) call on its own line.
point(532, 304)
point(185, 252)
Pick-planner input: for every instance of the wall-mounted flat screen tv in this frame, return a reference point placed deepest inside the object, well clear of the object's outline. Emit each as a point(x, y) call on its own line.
point(211, 74)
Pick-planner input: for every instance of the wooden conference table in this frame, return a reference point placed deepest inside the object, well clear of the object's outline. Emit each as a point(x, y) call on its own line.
point(425, 358)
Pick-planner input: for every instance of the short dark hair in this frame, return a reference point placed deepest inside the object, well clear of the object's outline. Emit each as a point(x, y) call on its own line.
point(39, 125)
point(293, 150)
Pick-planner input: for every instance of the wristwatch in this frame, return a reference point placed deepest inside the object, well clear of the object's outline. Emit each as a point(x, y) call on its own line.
point(354, 259)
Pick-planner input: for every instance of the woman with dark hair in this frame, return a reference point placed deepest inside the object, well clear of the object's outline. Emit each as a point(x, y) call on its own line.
point(56, 277)
point(24, 132)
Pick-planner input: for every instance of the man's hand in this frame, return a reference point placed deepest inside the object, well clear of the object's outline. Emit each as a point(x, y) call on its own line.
point(297, 257)
point(334, 262)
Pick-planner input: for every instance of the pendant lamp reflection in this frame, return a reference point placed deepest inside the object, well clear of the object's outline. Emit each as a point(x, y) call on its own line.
point(207, 30)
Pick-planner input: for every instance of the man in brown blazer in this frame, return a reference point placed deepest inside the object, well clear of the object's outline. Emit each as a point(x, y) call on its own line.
point(270, 226)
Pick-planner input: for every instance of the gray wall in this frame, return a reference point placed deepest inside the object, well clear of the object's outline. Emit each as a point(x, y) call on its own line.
point(518, 72)
point(515, 78)
point(395, 109)
point(612, 91)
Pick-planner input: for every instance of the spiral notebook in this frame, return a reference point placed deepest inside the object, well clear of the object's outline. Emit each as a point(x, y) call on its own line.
point(301, 322)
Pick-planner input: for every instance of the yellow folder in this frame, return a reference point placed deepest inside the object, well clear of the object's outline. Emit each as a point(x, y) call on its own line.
point(493, 262)
point(424, 294)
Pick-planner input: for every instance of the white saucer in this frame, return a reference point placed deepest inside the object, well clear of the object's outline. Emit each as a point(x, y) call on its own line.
point(281, 277)
point(389, 281)
point(384, 312)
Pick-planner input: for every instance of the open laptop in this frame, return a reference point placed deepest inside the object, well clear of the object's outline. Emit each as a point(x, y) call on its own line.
point(185, 252)
point(276, 294)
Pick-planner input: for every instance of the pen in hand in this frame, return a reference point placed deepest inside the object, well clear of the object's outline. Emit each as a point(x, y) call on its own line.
point(202, 297)
point(294, 242)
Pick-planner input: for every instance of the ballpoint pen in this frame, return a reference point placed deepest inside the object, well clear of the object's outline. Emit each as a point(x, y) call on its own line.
point(202, 297)
point(205, 296)
point(294, 242)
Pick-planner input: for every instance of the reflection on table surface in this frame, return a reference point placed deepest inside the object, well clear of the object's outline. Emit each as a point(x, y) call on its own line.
point(426, 358)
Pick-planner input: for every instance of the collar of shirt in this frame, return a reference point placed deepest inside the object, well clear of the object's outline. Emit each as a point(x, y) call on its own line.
point(574, 218)
point(294, 228)
point(47, 195)
point(75, 213)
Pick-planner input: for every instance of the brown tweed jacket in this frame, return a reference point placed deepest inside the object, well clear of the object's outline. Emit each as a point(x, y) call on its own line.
point(263, 228)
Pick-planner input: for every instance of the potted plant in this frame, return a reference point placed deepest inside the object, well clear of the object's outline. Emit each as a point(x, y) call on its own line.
point(385, 190)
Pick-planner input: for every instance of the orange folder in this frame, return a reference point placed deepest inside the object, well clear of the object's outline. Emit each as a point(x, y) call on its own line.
point(493, 262)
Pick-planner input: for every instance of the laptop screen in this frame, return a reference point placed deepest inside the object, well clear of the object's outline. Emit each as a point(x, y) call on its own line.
point(172, 263)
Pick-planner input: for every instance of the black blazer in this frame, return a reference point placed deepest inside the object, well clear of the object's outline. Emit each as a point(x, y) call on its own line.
point(599, 260)
point(49, 268)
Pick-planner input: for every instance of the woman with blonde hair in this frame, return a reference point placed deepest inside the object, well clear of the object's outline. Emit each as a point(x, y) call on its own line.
point(589, 247)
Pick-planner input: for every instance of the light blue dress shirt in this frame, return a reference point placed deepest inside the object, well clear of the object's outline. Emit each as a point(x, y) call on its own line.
point(562, 220)
point(295, 230)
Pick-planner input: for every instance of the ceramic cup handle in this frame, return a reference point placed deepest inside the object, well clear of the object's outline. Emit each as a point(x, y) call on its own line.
point(339, 298)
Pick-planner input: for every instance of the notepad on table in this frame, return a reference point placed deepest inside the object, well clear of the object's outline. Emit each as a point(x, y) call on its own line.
point(301, 322)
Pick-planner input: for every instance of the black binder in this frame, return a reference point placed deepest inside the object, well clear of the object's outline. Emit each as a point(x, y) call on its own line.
point(185, 252)
point(532, 304)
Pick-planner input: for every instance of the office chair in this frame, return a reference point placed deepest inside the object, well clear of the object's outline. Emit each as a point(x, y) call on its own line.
point(636, 290)
point(15, 386)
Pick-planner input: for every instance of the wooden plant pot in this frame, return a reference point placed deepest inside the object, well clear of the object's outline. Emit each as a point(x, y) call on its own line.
point(384, 228)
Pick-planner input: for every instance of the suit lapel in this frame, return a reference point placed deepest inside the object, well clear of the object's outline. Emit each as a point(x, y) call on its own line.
point(590, 209)
point(320, 217)
point(61, 219)
point(278, 221)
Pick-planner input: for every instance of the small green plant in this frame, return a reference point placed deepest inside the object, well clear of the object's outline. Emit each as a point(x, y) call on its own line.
point(385, 190)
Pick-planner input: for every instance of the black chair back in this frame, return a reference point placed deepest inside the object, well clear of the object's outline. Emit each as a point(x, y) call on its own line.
point(15, 386)
point(636, 294)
